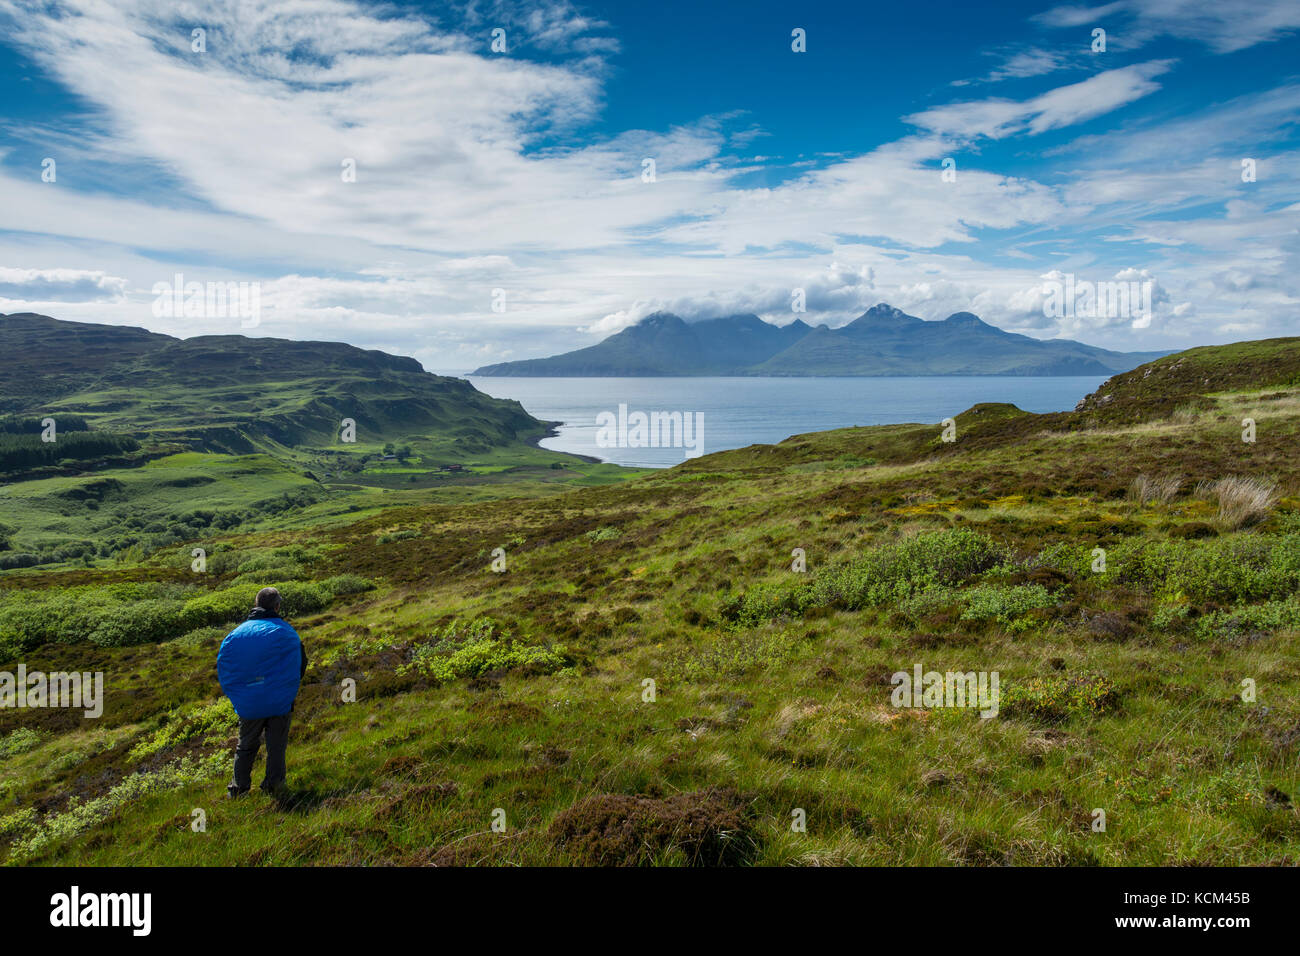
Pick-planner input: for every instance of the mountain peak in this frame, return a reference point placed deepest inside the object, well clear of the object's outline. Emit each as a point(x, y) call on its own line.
point(660, 319)
point(882, 314)
point(653, 326)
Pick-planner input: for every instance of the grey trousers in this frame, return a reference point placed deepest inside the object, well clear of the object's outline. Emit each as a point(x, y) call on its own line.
point(250, 738)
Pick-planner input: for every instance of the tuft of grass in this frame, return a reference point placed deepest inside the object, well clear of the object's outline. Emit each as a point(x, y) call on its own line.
point(1242, 500)
point(1162, 489)
point(81, 816)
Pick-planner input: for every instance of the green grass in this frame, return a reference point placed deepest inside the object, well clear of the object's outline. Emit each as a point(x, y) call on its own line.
point(176, 498)
point(118, 514)
point(650, 657)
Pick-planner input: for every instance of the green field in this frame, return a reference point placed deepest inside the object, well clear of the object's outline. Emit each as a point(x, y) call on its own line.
point(521, 696)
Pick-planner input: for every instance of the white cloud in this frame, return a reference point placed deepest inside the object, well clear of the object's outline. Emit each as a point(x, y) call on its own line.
point(1024, 62)
point(59, 285)
point(997, 118)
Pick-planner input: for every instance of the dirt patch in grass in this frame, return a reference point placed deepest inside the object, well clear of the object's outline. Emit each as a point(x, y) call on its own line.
point(711, 827)
point(500, 712)
point(402, 765)
point(420, 799)
point(476, 849)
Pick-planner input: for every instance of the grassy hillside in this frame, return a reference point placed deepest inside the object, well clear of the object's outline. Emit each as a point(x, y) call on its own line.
point(160, 440)
point(229, 393)
point(522, 695)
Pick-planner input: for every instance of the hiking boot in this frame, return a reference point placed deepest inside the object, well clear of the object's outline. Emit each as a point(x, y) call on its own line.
point(233, 791)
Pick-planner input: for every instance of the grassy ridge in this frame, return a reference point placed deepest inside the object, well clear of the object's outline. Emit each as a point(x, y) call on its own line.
point(230, 393)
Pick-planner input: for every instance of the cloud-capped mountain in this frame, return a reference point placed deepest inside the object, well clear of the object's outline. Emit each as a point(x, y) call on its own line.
point(882, 341)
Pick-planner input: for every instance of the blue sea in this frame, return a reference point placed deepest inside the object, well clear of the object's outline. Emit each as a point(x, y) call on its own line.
point(735, 412)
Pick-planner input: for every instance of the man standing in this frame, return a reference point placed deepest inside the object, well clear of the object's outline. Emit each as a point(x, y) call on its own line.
point(260, 665)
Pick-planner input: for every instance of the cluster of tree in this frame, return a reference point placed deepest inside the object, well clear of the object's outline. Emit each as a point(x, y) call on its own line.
point(299, 498)
point(146, 536)
point(120, 615)
point(27, 425)
point(26, 450)
point(139, 536)
point(400, 452)
point(68, 551)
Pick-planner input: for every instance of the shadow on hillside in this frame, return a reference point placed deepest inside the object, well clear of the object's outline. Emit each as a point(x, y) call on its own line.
point(305, 799)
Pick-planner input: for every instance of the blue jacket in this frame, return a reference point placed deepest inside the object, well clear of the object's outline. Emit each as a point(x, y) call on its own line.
point(260, 665)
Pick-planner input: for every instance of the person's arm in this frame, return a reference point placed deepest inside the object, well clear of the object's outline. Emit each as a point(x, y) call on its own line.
point(302, 672)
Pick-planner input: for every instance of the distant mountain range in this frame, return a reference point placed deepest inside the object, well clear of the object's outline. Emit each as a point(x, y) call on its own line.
point(884, 341)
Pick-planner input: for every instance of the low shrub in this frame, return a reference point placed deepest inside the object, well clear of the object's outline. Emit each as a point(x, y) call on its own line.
point(1228, 568)
point(892, 572)
point(1171, 617)
point(468, 650)
point(215, 719)
point(1012, 607)
point(1057, 698)
point(897, 570)
point(342, 585)
point(735, 654)
point(1249, 619)
point(19, 742)
point(120, 615)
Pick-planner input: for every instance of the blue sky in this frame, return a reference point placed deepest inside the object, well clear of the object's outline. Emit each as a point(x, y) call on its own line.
point(775, 170)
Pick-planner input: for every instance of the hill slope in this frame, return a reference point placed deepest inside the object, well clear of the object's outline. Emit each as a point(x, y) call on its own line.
point(773, 688)
point(883, 341)
point(161, 439)
point(230, 393)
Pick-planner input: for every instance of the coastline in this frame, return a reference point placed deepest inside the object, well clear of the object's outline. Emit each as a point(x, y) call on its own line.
point(553, 431)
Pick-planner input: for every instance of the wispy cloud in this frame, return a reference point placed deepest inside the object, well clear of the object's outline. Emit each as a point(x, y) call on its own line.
point(1223, 27)
point(998, 118)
